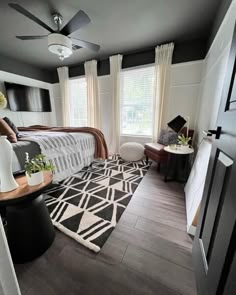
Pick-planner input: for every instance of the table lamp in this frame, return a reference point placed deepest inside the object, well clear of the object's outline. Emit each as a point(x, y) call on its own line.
point(177, 123)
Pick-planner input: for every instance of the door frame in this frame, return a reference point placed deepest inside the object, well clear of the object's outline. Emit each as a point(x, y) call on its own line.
point(227, 105)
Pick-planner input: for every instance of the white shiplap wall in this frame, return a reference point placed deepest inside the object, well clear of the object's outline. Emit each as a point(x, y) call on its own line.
point(184, 92)
point(56, 94)
point(214, 74)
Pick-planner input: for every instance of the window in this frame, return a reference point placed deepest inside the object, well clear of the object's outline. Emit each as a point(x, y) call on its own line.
point(136, 101)
point(78, 102)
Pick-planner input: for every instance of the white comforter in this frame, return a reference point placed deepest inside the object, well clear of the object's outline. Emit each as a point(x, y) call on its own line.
point(69, 152)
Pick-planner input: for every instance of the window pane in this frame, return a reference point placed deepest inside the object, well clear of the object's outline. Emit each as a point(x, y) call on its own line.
point(137, 95)
point(78, 102)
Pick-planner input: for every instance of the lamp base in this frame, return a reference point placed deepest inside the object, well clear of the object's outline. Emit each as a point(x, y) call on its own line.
point(8, 182)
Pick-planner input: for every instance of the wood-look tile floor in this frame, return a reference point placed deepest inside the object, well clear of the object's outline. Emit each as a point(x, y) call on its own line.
point(149, 252)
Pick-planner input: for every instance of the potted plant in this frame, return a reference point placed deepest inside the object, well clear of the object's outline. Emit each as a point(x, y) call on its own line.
point(34, 168)
point(184, 140)
point(3, 101)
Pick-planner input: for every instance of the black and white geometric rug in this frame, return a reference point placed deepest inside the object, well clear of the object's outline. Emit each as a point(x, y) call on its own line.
point(88, 205)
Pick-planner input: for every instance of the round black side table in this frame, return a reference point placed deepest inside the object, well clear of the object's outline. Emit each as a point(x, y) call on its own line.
point(29, 227)
point(177, 158)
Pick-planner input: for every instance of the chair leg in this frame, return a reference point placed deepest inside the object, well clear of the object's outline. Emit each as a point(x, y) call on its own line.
point(158, 167)
point(146, 159)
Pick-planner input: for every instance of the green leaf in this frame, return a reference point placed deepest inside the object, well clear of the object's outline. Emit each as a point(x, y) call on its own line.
point(38, 163)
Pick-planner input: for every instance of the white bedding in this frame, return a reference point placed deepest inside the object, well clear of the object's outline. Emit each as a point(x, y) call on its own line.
point(69, 152)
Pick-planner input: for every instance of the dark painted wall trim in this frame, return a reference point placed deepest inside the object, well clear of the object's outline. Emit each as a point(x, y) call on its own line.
point(183, 52)
point(13, 66)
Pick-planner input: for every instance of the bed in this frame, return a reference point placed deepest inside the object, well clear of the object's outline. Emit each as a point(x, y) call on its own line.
point(19, 150)
point(69, 149)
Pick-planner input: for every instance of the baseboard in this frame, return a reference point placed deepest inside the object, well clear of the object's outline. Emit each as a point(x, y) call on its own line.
point(191, 230)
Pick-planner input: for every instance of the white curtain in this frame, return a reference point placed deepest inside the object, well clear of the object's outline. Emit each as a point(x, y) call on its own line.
point(163, 61)
point(115, 68)
point(92, 94)
point(63, 75)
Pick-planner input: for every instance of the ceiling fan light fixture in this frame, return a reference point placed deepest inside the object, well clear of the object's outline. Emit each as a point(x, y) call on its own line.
point(60, 45)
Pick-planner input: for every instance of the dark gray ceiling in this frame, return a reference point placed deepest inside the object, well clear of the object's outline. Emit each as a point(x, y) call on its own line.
point(117, 25)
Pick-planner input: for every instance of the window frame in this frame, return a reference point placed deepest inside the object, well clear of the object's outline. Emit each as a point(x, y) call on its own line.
point(71, 80)
point(126, 70)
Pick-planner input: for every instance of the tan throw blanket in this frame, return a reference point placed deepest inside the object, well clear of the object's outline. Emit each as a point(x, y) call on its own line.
point(101, 150)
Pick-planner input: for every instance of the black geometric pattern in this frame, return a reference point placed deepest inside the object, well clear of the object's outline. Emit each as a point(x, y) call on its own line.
point(88, 205)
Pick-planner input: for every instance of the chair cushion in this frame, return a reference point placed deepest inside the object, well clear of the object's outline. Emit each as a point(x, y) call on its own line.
point(6, 130)
point(155, 148)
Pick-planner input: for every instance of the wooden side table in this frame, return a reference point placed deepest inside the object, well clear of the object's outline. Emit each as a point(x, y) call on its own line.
point(29, 227)
point(175, 157)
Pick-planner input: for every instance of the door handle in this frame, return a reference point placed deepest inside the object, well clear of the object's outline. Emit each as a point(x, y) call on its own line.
point(216, 132)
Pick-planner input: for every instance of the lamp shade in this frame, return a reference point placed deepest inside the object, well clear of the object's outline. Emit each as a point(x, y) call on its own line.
point(60, 45)
point(177, 123)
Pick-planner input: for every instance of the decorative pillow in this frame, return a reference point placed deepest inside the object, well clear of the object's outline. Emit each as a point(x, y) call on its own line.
point(12, 125)
point(167, 137)
point(6, 130)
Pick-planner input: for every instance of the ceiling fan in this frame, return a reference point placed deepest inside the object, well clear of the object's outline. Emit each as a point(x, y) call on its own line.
point(59, 41)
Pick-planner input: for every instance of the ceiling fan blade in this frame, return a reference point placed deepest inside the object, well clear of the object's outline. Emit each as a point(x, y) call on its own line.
point(79, 20)
point(31, 37)
point(86, 44)
point(26, 13)
point(75, 47)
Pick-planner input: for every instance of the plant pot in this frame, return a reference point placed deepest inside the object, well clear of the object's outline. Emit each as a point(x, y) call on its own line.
point(184, 147)
point(35, 178)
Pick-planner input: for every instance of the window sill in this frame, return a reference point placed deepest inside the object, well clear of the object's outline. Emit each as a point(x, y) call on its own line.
point(135, 136)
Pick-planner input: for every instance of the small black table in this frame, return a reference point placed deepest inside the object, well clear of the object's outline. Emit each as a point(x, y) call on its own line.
point(29, 227)
point(177, 157)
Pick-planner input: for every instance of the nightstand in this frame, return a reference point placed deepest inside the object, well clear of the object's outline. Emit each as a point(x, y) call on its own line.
point(178, 159)
point(29, 227)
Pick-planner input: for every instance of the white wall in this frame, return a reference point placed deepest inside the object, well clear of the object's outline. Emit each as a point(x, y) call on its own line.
point(27, 118)
point(184, 92)
point(213, 75)
point(56, 94)
point(105, 89)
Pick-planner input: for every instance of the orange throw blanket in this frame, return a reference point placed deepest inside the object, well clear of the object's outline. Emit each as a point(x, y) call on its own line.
point(101, 150)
